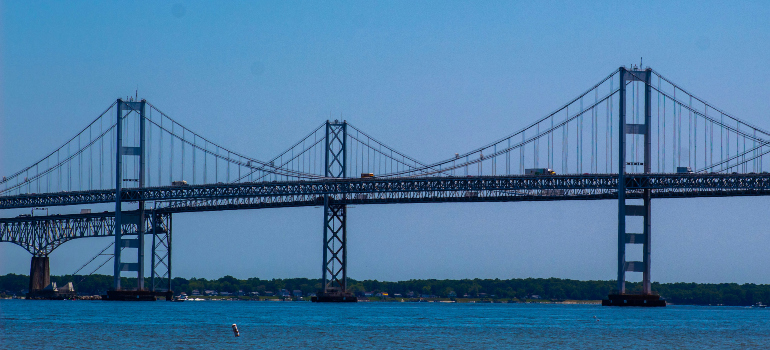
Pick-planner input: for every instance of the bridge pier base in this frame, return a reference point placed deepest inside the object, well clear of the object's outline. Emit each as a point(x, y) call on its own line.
point(39, 273)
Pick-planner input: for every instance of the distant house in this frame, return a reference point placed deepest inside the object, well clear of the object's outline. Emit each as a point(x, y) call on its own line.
point(410, 294)
point(196, 292)
point(269, 293)
point(535, 296)
point(368, 294)
point(225, 293)
point(397, 295)
point(452, 294)
point(382, 295)
point(256, 294)
point(210, 292)
point(466, 295)
point(296, 293)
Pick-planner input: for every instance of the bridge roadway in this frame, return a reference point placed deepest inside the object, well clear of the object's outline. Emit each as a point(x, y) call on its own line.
point(409, 190)
point(42, 234)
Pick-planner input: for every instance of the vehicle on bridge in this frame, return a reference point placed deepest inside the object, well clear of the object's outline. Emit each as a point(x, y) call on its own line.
point(683, 170)
point(539, 171)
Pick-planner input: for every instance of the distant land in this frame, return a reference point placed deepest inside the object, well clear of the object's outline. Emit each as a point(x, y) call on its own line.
point(526, 289)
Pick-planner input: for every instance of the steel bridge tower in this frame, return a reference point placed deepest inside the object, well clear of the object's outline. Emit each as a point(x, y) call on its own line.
point(334, 267)
point(120, 218)
point(625, 210)
point(136, 223)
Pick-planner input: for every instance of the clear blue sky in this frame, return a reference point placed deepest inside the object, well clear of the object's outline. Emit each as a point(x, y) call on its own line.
point(429, 78)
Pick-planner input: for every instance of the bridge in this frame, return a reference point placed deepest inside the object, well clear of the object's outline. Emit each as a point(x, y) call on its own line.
point(633, 136)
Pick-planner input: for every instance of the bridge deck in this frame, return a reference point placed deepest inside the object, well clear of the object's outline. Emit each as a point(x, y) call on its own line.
point(411, 190)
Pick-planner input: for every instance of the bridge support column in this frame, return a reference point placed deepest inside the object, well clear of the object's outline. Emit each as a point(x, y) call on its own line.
point(39, 273)
point(334, 268)
point(620, 297)
point(160, 279)
point(121, 220)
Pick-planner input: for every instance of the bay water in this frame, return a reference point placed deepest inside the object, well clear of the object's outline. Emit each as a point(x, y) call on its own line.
point(33, 324)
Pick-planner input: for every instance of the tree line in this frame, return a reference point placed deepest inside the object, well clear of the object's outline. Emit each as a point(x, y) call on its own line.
point(526, 288)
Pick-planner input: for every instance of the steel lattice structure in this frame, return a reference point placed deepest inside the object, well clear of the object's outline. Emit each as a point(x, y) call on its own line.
point(635, 134)
point(435, 189)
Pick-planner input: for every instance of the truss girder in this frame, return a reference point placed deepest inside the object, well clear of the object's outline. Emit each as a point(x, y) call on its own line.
point(335, 248)
point(470, 189)
point(160, 265)
point(40, 235)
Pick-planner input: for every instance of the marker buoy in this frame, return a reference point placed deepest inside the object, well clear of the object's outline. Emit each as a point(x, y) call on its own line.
point(235, 330)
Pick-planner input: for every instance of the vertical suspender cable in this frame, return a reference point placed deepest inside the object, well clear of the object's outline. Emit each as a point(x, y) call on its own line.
point(521, 152)
point(611, 122)
point(536, 147)
point(171, 156)
point(595, 162)
point(580, 137)
point(565, 143)
point(550, 146)
point(674, 138)
point(508, 158)
point(658, 133)
point(695, 137)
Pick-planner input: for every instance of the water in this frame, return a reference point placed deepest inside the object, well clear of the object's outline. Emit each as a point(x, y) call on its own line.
point(206, 324)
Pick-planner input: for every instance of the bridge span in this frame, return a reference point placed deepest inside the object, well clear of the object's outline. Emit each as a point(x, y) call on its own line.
point(635, 135)
point(411, 190)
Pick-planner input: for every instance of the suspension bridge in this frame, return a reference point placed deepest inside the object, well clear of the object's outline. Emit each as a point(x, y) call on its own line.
point(633, 136)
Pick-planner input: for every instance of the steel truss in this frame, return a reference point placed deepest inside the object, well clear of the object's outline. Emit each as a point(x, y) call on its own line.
point(334, 273)
point(409, 190)
point(40, 235)
point(160, 228)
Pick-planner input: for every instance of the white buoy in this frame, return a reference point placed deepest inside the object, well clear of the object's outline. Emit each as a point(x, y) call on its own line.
point(235, 330)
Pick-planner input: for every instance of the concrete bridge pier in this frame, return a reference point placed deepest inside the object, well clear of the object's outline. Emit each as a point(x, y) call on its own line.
point(39, 273)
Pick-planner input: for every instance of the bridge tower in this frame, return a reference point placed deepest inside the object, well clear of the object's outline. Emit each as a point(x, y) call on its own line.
point(625, 210)
point(334, 267)
point(135, 220)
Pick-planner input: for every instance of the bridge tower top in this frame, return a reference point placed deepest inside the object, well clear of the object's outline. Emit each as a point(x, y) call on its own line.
point(336, 149)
